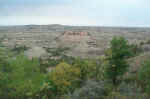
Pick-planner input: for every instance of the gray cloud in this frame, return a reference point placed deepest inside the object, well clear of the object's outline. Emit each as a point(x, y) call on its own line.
point(76, 12)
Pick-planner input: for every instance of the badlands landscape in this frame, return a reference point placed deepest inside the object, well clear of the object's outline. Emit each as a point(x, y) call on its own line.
point(81, 41)
point(74, 62)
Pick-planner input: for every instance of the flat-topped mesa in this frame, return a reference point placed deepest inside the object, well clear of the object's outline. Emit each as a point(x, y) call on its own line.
point(75, 36)
point(76, 33)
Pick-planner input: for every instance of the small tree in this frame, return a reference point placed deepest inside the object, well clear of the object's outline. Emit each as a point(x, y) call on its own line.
point(116, 58)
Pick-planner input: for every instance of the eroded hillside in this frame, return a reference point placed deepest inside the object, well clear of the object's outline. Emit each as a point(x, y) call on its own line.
point(81, 40)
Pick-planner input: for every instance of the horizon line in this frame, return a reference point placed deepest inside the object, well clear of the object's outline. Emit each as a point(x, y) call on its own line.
point(121, 26)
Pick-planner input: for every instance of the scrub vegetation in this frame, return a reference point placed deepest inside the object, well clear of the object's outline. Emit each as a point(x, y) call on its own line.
point(108, 77)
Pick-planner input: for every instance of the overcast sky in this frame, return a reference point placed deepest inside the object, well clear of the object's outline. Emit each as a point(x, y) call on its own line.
point(75, 12)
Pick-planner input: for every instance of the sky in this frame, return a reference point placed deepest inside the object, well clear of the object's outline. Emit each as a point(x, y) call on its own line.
point(76, 12)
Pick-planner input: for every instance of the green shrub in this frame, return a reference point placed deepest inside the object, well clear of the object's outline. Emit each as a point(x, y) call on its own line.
point(101, 67)
point(19, 49)
point(57, 51)
point(144, 76)
point(90, 90)
point(21, 78)
point(48, 90)
point(127, 91)
point(135, 49)
point(5, 69)
point(117, 95)
point(130, 89)
point(148, 41)
point(88, 68)
point(45, 63)
point(65, 77)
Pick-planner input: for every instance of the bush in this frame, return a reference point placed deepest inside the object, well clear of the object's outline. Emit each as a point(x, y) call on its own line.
point(91, 90)
point(21, 78)
point(127, 91)
point(18, 49)
point(135, 49)
point(47, 90)
point(144, 76)
point(148, 41)
point(130, 89)
point(88, 68)
point(65, 77)
point(5, 69)
point(117, 95)
point(101, 67)
point(45, 63)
